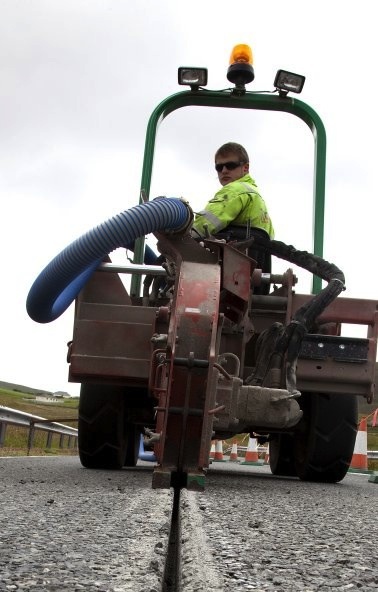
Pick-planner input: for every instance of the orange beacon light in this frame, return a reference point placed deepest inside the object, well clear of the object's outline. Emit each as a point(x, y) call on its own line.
point(240, 70)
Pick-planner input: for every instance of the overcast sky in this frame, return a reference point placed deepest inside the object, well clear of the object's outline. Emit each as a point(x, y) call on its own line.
point(79, 80)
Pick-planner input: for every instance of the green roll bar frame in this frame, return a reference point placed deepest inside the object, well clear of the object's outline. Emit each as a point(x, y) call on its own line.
point(232, 98)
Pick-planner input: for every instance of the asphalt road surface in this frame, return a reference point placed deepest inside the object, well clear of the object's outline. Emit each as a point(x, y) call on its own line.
point(65, 528)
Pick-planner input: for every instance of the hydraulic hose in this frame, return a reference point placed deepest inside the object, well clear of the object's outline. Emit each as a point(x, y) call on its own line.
point(62, 279)
point(290, 338)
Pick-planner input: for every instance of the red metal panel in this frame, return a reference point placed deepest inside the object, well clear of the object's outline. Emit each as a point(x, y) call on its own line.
point(111, 341)
point(345, 310)
point(236, 272)
point(329, 376)
point(183, 420)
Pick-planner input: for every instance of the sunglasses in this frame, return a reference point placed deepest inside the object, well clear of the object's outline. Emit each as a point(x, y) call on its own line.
point(230, 166)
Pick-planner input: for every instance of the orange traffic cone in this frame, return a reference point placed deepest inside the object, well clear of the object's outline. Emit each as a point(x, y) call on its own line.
point(359, 460)
point(252, 456)
point(212, 450)
point(266, 457)
point(234, 452)
point(218, 456)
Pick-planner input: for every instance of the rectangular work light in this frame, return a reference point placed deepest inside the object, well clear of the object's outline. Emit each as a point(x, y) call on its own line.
point(286, 82)
point(193, 77)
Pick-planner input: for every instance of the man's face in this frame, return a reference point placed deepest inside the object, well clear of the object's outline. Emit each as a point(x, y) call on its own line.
point(235, 170)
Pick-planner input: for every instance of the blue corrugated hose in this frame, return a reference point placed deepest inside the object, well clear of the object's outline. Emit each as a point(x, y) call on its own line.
point(62, 279)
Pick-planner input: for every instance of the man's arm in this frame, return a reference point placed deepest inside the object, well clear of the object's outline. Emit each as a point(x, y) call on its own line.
point(219, 212)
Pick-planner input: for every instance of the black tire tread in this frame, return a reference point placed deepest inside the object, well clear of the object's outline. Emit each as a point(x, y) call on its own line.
point(323, 451)
point(281, 455)
point(105, 439)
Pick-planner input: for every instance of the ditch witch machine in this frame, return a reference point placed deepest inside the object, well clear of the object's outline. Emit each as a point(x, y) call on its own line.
point(215, 344)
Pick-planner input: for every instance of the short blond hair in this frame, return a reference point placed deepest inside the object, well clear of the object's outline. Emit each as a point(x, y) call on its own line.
point(233, 148)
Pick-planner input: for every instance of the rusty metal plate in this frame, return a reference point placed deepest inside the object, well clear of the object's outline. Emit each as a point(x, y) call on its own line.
point(236, 272)
point(183, 419)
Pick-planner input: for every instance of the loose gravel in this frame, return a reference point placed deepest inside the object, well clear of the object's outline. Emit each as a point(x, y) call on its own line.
point(199, 573)
point(284, 535)
point(64, 528)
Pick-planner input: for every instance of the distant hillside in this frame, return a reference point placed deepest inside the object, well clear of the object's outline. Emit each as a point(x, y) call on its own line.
point(20, 388)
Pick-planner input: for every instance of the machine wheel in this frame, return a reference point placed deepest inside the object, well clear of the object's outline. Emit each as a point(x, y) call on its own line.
point(132, 448)
point(324, 442)
point(106, 439)
point(281, 455)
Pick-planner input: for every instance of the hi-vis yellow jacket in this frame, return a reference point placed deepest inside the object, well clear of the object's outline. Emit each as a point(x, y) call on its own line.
point(238, 203)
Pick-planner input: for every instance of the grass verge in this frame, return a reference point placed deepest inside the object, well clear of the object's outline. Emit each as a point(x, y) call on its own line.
point(16, 437)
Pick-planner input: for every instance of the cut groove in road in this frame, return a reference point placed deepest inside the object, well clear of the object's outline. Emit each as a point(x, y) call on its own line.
point(171, 579)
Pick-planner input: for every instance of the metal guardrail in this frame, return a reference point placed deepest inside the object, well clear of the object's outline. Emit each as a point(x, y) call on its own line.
point(10, 416)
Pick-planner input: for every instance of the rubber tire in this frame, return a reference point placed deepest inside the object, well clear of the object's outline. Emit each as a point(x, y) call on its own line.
point(281, 455)
point(105, 439)
point(325, 439)
point(132, 446)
